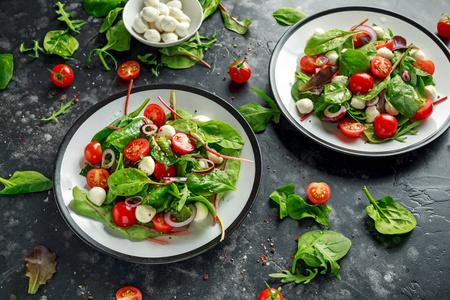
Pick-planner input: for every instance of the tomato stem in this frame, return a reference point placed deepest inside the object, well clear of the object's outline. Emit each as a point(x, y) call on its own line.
point(169, 108)
point(440, 100)
point(128, 96)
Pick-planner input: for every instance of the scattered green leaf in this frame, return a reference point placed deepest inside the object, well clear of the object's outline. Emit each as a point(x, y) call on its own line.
point(40, 267)
point(288, 16)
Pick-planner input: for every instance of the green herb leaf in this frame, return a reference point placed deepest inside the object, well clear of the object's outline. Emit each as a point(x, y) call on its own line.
point(209, 7)
point(298, 209)
point(110, 18)
point(86, 208)
point(287, 276)
point(100, 8)
point(60, 42)
point(120, 138)
point(209, 184)
point(222, 134)
point(62, 110)
point(127, 182)
point(280, 196)
point(403, 97)
point(327, 41)
point(6, 69)
point(25, 182)
point(288, 16)
point(353, 61)
point(65, 17)
point(232, 23)
point(40, 267)
point(336, 93)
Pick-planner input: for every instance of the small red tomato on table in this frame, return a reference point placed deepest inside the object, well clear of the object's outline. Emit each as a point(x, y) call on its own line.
point(61, 75)
point(443, 26)
point(270, 294)
point(318, 192)
point(239, 71)
point(129, 293)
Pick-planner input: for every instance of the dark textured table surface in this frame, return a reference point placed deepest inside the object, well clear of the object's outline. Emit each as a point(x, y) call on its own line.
point(414, 266)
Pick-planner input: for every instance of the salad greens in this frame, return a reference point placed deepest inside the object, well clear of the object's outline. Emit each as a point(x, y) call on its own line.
point(110, 19)
point(209, 7)
point(288, 16)
point(6, 69)
point(100, 8)
point(41, 265)
point(62, 110)
point(73, 25)
point(231, 23)
point(25, 182)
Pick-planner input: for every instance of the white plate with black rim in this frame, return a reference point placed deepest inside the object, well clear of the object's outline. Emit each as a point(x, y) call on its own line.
point(202, 236)
point(290, 48)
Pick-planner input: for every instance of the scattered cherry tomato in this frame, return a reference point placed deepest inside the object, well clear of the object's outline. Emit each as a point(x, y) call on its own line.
point(129, 293)
point(385, 126)
point(129, 70)
point(97, 177)
point(426, 65)
point(124, 215)
point(443, 26)
point(160, 224)
point(389, 44)
point(155, 113)
point(318, 192)
point(360, 39)
point(351, 128)
point(308, 63)
point(361, 83)
point(136, 148)
point(182, 143)
point(61, 75)
point(270, 294)
point(93, 153)
point(380, 66)
point(424, 111)
point(161, 171)
point(239, 71)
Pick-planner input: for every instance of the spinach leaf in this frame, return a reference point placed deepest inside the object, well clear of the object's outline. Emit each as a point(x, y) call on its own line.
point(156, 193)
point(375, 90)
point(231, 23)
point(120, 138)
point(222, 134)
point(353, 61)
point(209, 7)
point(203, 200)
point(317, 249)
point(369, 50)
point(87, 168)
point(403, 97)
point(100, 8)
point(110, 18)
point(25, 182)
point(403, 129)
point(280, 196)
point(299, 209)
point(327, 41)
point(86, 208)
point(209, 184)
point(389, 216)
point(65, 17)
point(60, 42)
point(127, 182)
point(162, 152)
point(288, 16)
point(336, 93)
point(6, 69)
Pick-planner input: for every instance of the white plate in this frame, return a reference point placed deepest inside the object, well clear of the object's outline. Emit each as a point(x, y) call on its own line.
point(290, 48)
point(202, 236)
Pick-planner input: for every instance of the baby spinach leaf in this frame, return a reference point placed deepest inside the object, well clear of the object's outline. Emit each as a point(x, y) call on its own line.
point(60, 42)
point(222, 134)
point(336, 93)
point(110, 18)
point(120, 138)
point(353, 61)
point(203, 200)
point(209, 7)
point(403, 129)
point(389, 216)
point(156, 193)
point(369, 50)
point(280, 196)
point(288, 16)
point(375, 90)
point(127, 182)
point(40, 267)
point(327, 41)
point(162, 152)
point(6, 69)
point(25, 182)
point(231, 23)
point(403, 97)
point(65, 17)
point(298, 209)
point(86, 208)
point(209, 184)
point(100, 8)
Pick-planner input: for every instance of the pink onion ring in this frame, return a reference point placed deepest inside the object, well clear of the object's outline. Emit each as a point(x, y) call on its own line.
point(334, 116)
point(129, 203)
point(145, 127)
point(321, 60)
point(372, 33)
point(169, 221)
point(175, 179)
point(207, 170)
point(406, 76)
point(113, 158)
point(373, 101)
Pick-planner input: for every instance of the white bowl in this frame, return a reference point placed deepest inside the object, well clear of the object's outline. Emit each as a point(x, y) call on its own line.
point(192, 8)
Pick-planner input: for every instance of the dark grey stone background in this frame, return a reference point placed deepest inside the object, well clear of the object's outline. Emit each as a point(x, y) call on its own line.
point(414, 266)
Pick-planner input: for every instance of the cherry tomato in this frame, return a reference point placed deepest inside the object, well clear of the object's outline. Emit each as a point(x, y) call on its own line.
point(155, 113)
point(162, 171)
point(424, 111)
point(318, 192)
point(361, 83)
point(61, 75)
point(124, 215)
point(443, 26)
point(350, 127)
point(308, 63)
point(385, 126)
point(136, 148)
point(93, 153)
point(389, 44)
point(380, 66)
point(129, 293)
point(426, 65)
point(182, 143)
point(97, 177)
point(358, 39)
point(160, 224)
point(129, 70)
point(265, 295)
point(240, 71)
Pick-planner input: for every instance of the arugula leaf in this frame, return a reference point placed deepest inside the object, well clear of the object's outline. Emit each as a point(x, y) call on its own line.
point(60, 42)
point(232, 23)
point(297, 277)
point(6, 69)
point(25, 182)
point(369, 50)
point(288, 16)
point(65, 17)
point(62, 110)
point(326, 41)
point(40, 267)
point(389, 216)
point(110, 18)
point(36, 48)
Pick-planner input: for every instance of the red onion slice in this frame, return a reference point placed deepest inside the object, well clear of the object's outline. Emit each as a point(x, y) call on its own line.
point(207, 170)
point(373, 101)
point(406, 76)
point(372, 33)
point(129, 201)
point(148, 129)
point(113, 158)
point(175, 179)
point(169, 221)
point(322, 60)
point(334, 116)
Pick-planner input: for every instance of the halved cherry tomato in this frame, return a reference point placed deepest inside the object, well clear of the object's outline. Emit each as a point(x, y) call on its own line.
point(308, 63)
point(318, 192)
point(136, 148)
point(160, 224)
point(424, 111)
point(361, 83)
point(129, 70)
point(350, 127)
point(426, 65)
point(266, 295)
point(155, 113)
point(93, 153)
point(182, 143)
point(380, 66)
point(357, 39)
point(129, 293)
point(124, 215)
point(385, 126)
point(61, 75)
point(443, 26)
point(240, 71)
point(97, 177)
point(389, 44)
point(162, 171)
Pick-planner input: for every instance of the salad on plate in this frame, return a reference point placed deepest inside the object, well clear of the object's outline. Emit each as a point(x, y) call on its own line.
point(152, 175)
point(371, 82)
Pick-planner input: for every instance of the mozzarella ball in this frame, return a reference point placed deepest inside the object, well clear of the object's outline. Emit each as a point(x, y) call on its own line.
point(203, 164)
point(214, 158)
point(184, 18)
point(318, 31)
point(390, 109)
point(169, 24)
point(152, 25)
point(430, 92)
point(163, 9)
point(202, 211)
point(97, 195)
point(145, 213)
point(150, 14)
point(340, 79)
point(175, 13)
point(371, 113)
point(152, 35)
point(151, 2)
point(379, 31)
point(200, 119)
point(182, 29)
point(175, 4)
point(358, 104)
point(385, 52)
point(166, 131)
point(304, 106)
point(147, 165)
point(416, 53)
point(158, 23)
point(139, 25)
point(332, 57)
point(169, 37)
